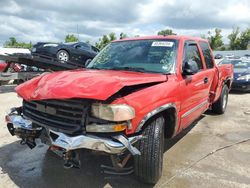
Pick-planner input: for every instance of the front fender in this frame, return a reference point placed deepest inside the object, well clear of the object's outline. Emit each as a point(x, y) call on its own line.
point(151, 101)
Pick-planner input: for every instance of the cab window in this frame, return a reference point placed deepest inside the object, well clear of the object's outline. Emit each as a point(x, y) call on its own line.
point(207, 55)
point(191, 52)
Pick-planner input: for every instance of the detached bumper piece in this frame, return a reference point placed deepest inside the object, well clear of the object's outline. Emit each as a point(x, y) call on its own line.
point(22, 128)
point(28, 132)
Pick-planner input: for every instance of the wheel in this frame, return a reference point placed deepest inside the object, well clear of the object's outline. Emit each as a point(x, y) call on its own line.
point(219, 107)
point(148, 165)
point(62, 55)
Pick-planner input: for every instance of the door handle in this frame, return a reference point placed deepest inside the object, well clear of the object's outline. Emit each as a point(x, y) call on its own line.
point(205, 80)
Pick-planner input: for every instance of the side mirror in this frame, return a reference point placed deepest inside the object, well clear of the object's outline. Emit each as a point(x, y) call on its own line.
point(87, 62)
point(190, 67)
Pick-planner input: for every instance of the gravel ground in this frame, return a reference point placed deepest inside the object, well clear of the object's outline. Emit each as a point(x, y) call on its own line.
point(190, 159)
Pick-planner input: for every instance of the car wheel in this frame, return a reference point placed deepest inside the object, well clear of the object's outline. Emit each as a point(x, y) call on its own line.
point(148, 165)
point(219, 107)
point(62, 55)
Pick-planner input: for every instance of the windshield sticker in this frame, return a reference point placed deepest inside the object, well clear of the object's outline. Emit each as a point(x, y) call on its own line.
point(163, 44)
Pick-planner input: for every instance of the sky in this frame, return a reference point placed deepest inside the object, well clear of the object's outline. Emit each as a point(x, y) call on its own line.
point(52, 20)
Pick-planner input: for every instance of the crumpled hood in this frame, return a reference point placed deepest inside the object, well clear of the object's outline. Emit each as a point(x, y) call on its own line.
point(91, 84)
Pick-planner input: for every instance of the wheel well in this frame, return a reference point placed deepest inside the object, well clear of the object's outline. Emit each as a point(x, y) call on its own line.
point(228, 83)
point(170, 118)
point(170, 122)
point(64, 50)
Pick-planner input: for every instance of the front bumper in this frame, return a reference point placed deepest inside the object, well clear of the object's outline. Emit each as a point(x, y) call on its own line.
point(17, 124)
point(241, 86)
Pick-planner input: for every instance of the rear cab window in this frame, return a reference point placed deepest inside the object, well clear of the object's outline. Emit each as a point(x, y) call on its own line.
point(207, 54)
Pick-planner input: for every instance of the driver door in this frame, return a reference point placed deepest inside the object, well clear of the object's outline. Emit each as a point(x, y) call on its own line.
point(193, 87)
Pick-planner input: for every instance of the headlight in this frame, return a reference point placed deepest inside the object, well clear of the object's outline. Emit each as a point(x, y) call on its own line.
point(246, 77)
point(50, 45)
point(113, 112)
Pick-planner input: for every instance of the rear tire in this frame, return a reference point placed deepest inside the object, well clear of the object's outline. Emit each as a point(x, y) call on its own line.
point(62, 56)
point(219, 107)
point(148, 165)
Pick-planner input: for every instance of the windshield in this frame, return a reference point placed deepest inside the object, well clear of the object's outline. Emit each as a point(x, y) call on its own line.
point(157, 56)
point(239, 64)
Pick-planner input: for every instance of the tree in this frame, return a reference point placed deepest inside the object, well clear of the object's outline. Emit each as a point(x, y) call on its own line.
point(104, 40)
point(216, 39)
point(12, 43)
point(166, 32)
point(71, 38)
point(237, 40)
point(234, 41)
point(112, 36)
point(245, 39)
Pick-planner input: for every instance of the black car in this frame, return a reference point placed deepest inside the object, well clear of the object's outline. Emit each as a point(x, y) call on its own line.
point(78, 52)
point(241, 80)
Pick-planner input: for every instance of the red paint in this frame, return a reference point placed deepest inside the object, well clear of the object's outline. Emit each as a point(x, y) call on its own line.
point(91, 84)
point(3, 65)
point(185, 92)
point(14, 66)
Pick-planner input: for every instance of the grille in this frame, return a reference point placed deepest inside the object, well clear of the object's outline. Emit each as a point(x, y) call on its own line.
point(67, 116)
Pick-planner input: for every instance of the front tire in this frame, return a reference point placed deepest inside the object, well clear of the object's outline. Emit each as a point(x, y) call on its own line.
point(219, 107)
point(62, 56)
point(148, 165)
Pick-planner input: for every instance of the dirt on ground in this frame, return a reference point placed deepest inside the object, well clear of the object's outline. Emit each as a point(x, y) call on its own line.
point(212, 152)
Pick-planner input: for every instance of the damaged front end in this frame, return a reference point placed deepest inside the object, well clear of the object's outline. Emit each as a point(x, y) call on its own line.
point(67, 144)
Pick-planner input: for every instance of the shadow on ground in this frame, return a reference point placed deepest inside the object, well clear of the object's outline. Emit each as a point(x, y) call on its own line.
point(42, 168)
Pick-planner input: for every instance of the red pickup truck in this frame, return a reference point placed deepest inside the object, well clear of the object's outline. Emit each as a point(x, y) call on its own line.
point(134, 94)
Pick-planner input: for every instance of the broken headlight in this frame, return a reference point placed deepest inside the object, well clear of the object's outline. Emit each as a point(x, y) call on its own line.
point(113, 112)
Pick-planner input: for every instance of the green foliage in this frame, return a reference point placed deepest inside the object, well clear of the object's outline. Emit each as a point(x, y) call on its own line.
point(112, 36)
point(106, 39)
point(215, 40)
point(12, 43)
point(239, 41)
point(70, 38)
point(166, 32)
point(234, 41)
point(245, 39)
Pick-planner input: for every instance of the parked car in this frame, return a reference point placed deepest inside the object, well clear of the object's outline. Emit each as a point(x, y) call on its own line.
point(241, 80)
point(78, 52)
point(218, 56)
point(134, 94)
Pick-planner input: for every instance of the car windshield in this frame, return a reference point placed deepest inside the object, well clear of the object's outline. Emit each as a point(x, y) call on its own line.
point(156, 56)
point(239, 64)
